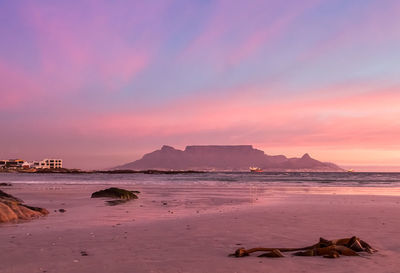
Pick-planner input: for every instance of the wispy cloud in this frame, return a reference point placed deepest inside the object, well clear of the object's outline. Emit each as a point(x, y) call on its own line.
point(347, 120)
point(17, 88)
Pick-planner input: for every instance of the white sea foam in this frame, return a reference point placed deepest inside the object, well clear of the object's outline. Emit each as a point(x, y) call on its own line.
point(217, 179)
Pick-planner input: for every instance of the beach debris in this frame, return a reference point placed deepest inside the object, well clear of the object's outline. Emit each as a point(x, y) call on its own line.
point(272, 254)
point(62, 210)
point(84, 253)
point(12, 209)
point(325, 248)
point(333, 251)
point(122, 195)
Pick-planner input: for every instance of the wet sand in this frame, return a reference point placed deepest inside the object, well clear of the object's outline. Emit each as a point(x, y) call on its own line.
point(192, 228)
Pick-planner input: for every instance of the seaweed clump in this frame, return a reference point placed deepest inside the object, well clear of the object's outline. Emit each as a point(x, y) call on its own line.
point(325, 248)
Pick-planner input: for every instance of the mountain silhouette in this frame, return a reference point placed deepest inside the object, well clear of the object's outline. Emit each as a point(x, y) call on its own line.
point(224, 158)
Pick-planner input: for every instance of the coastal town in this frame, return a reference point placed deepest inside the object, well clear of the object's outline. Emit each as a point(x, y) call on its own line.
point(29, 166)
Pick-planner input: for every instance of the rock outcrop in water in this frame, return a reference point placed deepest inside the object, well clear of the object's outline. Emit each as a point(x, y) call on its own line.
point(224, 158)
point(12, 208)
point(122, 195)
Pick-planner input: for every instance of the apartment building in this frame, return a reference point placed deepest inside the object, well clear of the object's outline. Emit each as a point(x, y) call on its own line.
point(11, 163)
point(52, 163)
point(43, 164)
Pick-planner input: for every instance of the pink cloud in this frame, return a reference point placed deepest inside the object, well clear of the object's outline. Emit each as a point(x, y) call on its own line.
point(349, 120)
point(228, 20)
point(212, 31)
point(121, 70)
point(260, 38)
point(344, 121)
point(70, 49)
point(17, 88)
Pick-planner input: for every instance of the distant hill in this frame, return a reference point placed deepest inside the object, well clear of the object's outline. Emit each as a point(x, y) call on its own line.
point(224, 158)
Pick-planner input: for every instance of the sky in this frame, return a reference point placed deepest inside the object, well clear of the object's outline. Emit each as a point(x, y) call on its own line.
point(100, 83)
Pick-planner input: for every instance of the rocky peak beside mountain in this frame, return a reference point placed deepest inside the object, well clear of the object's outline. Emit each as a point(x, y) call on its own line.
point(224, 158)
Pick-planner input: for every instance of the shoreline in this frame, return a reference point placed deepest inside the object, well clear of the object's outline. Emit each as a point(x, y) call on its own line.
point(78, 171)
point(172, 172)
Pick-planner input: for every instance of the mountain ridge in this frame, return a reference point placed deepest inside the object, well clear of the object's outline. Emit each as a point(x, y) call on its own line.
point(224, 158)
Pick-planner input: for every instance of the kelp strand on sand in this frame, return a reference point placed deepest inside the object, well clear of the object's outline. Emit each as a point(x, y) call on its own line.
point(325, 248)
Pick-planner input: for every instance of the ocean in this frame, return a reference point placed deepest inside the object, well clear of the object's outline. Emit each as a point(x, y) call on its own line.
point(362, 179)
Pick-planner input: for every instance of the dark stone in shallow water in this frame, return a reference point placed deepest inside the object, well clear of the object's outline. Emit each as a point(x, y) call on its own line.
point(6, 184)
point(115, 193)
point(122, 195)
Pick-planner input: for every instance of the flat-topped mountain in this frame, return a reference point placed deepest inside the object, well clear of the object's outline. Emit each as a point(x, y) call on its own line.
point(224, 158)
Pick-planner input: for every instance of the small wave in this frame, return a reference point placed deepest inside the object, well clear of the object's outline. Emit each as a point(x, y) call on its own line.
point(291, 179)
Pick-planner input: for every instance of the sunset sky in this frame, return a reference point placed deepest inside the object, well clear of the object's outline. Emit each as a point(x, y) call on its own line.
point(100, 83)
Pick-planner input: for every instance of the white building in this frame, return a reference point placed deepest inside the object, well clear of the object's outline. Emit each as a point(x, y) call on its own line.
point(51, 163)
point(11, 163)
point(19, 163)
point(47, 164)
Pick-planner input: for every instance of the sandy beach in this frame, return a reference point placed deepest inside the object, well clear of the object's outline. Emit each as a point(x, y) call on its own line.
point(193, 228)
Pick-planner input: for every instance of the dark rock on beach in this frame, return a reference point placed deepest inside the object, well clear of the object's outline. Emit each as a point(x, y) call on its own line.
point(121, 195)
point(6, 184)
point(115, 193)
point(12, 208)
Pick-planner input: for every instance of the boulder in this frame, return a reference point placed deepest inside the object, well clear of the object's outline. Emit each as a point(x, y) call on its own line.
point(12, 209)
point(120, 194)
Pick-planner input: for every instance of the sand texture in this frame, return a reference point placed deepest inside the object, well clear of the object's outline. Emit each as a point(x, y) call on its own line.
point(193, 228)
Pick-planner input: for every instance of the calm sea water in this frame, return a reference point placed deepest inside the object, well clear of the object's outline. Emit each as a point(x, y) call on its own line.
point(221, 178)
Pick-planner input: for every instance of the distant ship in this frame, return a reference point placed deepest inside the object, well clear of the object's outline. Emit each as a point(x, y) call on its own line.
point(350, 171)
point(255, 170)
